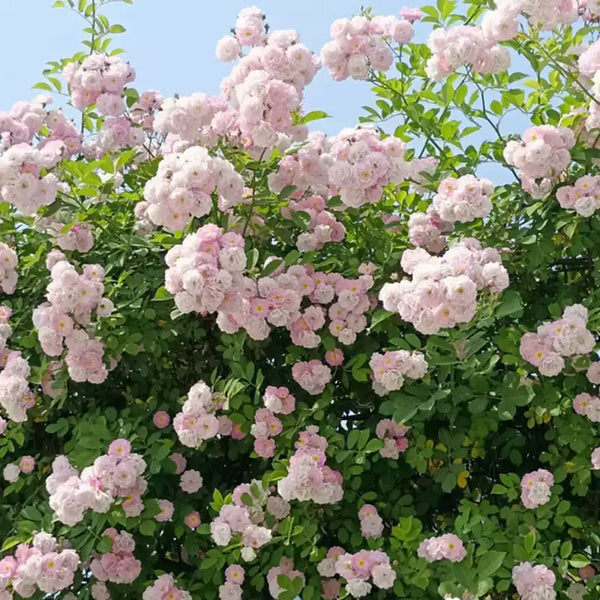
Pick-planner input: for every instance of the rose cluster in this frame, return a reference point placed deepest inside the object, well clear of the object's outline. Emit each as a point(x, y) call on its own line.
point(445, 547)
point(536, 488)
point(15, 396)
point(189, 120)
point(534, 582)
point(279, 400)
point(390, 369)
point(363, 164)
point(323, 227)
point(541, 157)
point(165, 587)
point(197, 421)
point(205, 272)
point(12, 471)
point(99, 79)
point(464, 199)
point(79, 237)
point(477, 46)
point(464, 46)
point(426, 229)
point(61, 321)
point(26, 119)
point(23, 121)
point(360, 44)
point(393, 436)
point(265, 88)
point(119, 565)
point(371, 524)
point(266, 426)
point(117, 474)
point(356, 164)
point(583, 197)
point(553, 341)
point(143, 111)
point(326, 568)
point(249, 30)
point(247, 518)
point(182, 187)
point(587, 405)
point(546, 15)
point(309, 478)
point(285, 567)
point(312, 376)
point(276, 301)
point(232, 588)
point(8, 269)
point(205, 275)
point(40, 565)
point(24, 180)
point(589, 61)
point(116, 133)
point(443, 290)
point(358, 568)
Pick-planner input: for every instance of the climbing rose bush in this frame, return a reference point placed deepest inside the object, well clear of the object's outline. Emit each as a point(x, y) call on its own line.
point(243, 358)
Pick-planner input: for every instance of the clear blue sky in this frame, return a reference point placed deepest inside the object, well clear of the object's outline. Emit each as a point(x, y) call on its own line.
point(171, 44)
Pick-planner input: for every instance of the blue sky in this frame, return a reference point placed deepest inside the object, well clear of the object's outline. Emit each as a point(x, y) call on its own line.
point(171, 44)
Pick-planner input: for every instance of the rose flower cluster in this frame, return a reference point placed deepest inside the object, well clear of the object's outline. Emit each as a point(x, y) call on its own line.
point(197, 422)
point(39, 566)
point(541, 157)
point(119, 565)
point(63, 320)
point(182, 187)
point(15, 396)
point(393, 436)
point(117, 474)
point(390, 369)
point(360, 43)
point(99, 79)
point(358, 568)
point(583, 196)
point(309, 478)
point(443, 290)
point(558, 339)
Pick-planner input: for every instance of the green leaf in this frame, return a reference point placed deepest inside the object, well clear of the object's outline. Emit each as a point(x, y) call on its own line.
point(161, 294)
point(449, 482)
point(379, 316)
point(12, 541)
point(271, 267)
point(147, 527)
point(511, 305)
point(286, 192)
point(490, 563)
point(314, 115)
point(529, 542)
point(292, 258)
point(579, 560)
point(42, 86)
point(566, 549)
